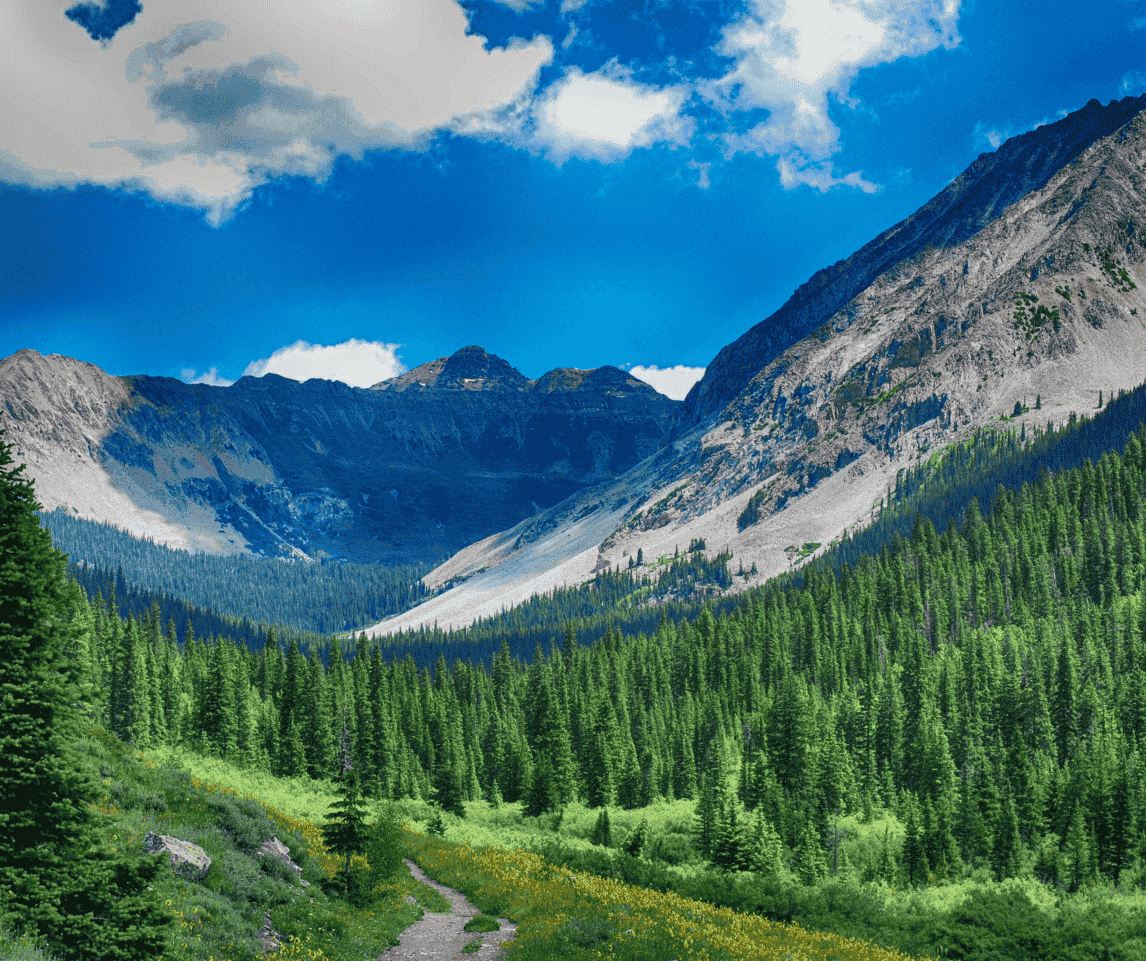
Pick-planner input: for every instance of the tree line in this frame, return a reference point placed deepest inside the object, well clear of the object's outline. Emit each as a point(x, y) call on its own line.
point(321, 597)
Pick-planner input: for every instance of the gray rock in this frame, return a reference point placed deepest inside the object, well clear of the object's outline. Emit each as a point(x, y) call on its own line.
point(187, 860)
point(274, 848)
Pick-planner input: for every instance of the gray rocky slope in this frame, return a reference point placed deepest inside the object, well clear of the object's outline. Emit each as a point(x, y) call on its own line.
point(1024, 280)
point(412, 469)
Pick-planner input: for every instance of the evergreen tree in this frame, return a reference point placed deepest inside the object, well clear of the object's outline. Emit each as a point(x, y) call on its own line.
point(552, 783)
point(811, 865)
point(765, 850)
point(915, 865)
point(1005, 855)
point(59, 879)
point(345, 832)
point(602, 830)
point(635, 842)
point(1077, 855)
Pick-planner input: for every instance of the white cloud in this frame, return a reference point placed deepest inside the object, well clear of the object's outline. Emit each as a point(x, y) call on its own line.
point(606, 115)
point(359, 363)
point(200, 101)
point(674, 382)
point(1133, 82)
point(820, 176)
point(520, 6)
point(210, 377)
point(792, 57)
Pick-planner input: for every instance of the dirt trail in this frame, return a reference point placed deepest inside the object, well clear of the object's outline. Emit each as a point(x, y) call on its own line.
point(441, 936)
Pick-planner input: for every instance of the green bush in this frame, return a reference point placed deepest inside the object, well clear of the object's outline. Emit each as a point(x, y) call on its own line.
point(482, 923)
point(588, 933)
point(129, 796)
point(243, 821)
point(384, 849)
point(224, 932)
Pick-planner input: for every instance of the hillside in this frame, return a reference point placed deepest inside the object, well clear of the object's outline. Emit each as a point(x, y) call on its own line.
point(960, 713)
point(1017, 286)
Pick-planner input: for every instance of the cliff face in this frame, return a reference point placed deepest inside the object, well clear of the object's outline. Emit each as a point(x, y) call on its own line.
point(413, 468)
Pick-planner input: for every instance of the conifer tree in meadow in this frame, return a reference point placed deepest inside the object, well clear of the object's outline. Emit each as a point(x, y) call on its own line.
point(345, 832)
point(59, 881)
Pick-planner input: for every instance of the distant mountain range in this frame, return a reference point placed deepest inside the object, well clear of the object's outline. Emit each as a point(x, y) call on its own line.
point(1016, 296)
point(411, 469)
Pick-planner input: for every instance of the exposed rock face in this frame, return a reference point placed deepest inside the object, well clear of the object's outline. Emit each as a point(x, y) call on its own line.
point(187, 860)
point(1023, 281)
point(274, 848)
point(414, 468)
point(973, 200)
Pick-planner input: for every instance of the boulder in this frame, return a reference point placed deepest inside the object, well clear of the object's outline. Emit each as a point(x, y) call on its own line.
point(274, 848)
point(187, 860)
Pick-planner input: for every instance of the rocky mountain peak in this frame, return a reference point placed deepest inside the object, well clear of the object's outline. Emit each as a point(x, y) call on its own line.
point(471, 368)
point(976, 198)
point(1015, 297)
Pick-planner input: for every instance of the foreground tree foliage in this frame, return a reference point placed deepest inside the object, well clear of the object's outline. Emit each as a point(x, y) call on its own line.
point(58, 879)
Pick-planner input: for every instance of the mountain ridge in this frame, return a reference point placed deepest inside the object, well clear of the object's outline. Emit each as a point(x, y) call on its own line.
point(975, 198)
point(778, 448)
point(270, 465)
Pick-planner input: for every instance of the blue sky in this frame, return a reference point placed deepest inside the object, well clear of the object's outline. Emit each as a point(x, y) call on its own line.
point(355, 187)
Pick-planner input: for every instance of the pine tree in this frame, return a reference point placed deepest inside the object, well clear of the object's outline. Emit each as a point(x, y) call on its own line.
point(345, 832)
point(1005, 853)
point(765, 850)
point(60, 880)
point(811, 865)
point(915, 864)
point(602, 830)
point(1076, 853)
point(552, 783)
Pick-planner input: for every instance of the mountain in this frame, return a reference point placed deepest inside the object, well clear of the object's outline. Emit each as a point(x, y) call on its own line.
point(411, 469)
point(1009, 299)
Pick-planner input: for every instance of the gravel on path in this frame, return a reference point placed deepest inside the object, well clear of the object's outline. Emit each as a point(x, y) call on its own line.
point(441, 936)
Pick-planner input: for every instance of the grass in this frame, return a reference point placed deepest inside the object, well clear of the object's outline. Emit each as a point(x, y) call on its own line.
point(559, 913)
point(569, 897)
point(564, 914)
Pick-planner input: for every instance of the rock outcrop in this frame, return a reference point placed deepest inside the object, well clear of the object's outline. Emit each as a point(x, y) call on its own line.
point(187, 860)
point(276, 850)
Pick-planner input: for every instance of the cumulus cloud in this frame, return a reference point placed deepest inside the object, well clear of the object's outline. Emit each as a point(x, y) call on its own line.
point(359, 363)
point(674, 382)
point(200, 101)
point(606, 115)
point(210, 377)
point(791, 58)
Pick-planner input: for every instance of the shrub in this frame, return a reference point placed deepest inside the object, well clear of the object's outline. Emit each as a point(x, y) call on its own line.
point(588, 933)
point(244, 821)
point(384, 849)
point(482, 923)
point(125, 796)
